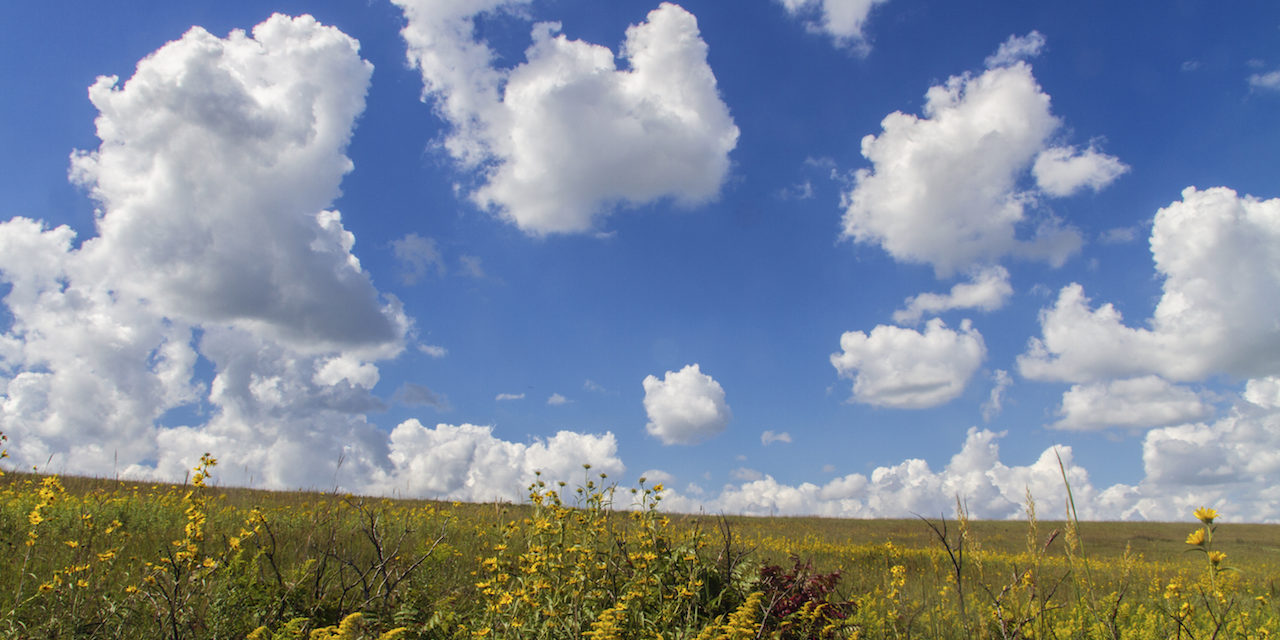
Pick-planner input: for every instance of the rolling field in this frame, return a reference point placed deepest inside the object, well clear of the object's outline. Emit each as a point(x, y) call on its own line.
point(98, 558)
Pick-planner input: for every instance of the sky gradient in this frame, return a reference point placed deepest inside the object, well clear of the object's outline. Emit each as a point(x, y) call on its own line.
point(840, 257)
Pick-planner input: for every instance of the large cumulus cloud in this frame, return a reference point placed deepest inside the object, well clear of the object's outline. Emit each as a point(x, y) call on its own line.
point(217, 251)
point(564, 137)
point(1219, 256)
point(218, 160)
point(947, 188)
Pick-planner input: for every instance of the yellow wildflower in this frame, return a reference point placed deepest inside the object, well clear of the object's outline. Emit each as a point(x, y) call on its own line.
point(1205, 515)
point(1196, 538)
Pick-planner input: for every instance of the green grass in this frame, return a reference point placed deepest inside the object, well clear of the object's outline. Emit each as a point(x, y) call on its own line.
point(222, 562)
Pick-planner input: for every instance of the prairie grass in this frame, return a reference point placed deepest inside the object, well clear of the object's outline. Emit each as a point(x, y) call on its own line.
point(96, 558)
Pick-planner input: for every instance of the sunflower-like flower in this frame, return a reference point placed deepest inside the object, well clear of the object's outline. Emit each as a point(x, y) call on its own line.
point(1196, 538)
point(1205, 515)
point(1216, 557)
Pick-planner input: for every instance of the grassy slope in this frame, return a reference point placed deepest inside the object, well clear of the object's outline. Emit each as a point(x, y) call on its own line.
point(1247, 544)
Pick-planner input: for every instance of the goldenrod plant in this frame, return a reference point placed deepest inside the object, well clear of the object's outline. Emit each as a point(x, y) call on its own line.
point(583, 570)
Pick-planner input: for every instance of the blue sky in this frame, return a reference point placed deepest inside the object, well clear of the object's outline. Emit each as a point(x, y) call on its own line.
point(429, 247)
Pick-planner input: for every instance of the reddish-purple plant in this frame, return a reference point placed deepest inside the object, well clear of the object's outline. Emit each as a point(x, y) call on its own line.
point(788, 591)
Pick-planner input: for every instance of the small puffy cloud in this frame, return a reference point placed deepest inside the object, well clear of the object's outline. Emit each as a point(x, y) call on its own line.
point(1135, 403)
point(417, 256)
point(564, 137)
point(505, 397)
point(685, 406)
point(1016, 48)
point(1062, 171)
point(1269, 81)
point(769, 437)
point(556, 400)
point(903, 368)
point(744, 474)
point(1216, 252)
point(987, 290)
point(943, 188)
point(843, 20)
point(466, 462)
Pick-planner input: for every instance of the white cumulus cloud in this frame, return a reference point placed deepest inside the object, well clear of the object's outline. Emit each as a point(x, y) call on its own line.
point(218, 162)
point(467, 462)
point(1134, 403)
point(944, 188)
point(903, 368)
point(1062, 171)
point(987, 290)
point(1232, 464)
point(1219, 256)
point(989, 487)
point(685, 406)
point(843, 20)
point(564, 137)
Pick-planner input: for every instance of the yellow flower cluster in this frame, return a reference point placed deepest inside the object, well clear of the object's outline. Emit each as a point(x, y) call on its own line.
point(741, 625)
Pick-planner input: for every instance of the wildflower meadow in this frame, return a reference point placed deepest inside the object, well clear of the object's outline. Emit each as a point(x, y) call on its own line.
point(100, 558)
